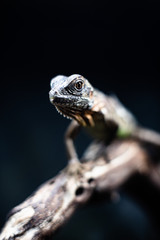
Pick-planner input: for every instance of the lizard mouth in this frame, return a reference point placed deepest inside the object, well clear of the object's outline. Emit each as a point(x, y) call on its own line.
point(65, 106)
point(60, 100)
point(74, 103)
point(64, 102)
point(70, 107)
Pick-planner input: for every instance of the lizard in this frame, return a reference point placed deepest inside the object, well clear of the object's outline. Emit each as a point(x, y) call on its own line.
point(103, 116)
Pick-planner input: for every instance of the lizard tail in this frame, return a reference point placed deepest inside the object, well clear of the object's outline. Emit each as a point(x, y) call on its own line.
point(147, 136)
point(151, 142)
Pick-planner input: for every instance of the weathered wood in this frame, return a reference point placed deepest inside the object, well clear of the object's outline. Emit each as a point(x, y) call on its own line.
point(102, 169)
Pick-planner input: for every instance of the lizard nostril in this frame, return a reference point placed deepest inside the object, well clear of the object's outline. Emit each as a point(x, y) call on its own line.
point(53, 93)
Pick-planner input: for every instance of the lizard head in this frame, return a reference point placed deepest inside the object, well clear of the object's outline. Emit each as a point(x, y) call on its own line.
point(72, 95)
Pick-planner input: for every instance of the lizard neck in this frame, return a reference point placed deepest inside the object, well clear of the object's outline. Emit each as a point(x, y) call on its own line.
point(88, 117)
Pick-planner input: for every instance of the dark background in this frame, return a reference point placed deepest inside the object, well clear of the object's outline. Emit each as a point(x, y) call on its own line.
point(115, 45)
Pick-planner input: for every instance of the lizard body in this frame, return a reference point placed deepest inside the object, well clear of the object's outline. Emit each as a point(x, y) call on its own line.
point(103, 116)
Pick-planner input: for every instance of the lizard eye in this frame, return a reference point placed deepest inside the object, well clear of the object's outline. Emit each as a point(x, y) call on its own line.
point(79, 85)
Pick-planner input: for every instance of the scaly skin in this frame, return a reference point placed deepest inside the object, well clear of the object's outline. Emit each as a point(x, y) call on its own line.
point(103, 116)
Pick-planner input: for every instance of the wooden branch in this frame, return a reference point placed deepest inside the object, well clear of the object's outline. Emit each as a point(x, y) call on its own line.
point(102, 169)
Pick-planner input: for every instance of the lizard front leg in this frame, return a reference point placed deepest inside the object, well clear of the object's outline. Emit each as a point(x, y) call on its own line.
point(71, 133)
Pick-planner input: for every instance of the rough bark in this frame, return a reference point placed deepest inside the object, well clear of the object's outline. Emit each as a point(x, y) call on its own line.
point(101, 169)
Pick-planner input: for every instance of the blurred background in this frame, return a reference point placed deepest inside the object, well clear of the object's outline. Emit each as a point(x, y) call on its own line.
point(116, 45)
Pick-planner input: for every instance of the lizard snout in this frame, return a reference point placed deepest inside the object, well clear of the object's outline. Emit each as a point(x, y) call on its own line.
point(52, 94)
